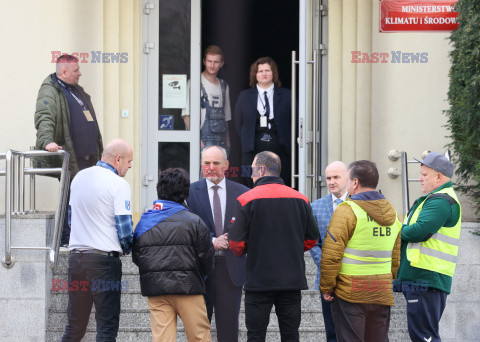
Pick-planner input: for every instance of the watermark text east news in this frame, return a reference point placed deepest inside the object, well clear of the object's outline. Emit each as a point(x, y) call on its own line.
point(83, 285)
point(393, 57)
point(94, 56)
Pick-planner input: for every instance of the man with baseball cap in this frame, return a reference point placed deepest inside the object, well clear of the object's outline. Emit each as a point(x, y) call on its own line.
point(430, 238)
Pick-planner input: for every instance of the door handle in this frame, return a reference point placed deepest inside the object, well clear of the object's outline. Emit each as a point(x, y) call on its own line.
point(314, 119)
point(293, 118)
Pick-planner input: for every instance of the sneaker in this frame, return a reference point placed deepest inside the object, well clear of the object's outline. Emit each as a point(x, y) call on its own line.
point(63, 248)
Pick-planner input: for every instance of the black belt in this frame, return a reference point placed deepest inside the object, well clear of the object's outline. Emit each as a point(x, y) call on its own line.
point(95, 251)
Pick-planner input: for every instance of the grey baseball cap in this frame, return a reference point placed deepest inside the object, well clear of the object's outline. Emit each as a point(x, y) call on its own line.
point(439, 163)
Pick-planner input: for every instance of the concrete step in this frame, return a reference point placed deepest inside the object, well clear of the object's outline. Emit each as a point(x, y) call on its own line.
point(128, 267)
point(133, 334)
point(131, 276)
point(132, 299)
point(135, 317)
point(132, 280)
point(141, 318)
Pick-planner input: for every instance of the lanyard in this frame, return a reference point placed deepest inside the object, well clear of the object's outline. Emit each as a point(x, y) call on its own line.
point(79, 101)
point(264, 104)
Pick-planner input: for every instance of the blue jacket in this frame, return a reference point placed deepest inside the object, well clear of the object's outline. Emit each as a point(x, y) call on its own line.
point(323, 211)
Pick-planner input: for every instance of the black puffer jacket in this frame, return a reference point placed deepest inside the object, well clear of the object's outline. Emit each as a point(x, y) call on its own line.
point(174, 256)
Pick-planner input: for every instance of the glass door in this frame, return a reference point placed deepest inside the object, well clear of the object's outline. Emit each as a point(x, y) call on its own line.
point(171, 107)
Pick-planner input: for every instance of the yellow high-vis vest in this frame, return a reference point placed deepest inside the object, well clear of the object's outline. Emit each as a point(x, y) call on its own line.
point(369, 251)
point(439, 253)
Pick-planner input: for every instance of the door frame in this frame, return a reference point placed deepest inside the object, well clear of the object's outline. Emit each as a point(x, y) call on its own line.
point(311, 137)
point(150, 98)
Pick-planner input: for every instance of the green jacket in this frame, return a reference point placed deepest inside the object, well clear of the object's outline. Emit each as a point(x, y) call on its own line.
point(437, 212)
point(52, 122)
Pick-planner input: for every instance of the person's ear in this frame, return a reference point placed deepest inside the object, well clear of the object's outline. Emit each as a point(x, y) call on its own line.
point(439, 177)
point(355, 183)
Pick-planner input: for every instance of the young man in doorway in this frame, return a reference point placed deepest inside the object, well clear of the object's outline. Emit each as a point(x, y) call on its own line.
point(215, 102)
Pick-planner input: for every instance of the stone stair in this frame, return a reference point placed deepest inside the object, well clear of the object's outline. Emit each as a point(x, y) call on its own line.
point(135, 318)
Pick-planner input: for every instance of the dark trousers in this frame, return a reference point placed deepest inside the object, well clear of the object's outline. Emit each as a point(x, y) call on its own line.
point(93, 279)
point(223, 297)
point(328, 320)
point(359, 322)
point(424, 311)
point(258, 306)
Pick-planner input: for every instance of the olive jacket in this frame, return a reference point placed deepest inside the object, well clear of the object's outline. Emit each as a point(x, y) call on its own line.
point(52, 122)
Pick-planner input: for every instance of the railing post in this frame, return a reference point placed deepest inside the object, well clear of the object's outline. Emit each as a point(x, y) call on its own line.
point(14, 188)
point(21, 184)
point(405, 190)
point(8, 261)
point(32, 186)
point(60, 214)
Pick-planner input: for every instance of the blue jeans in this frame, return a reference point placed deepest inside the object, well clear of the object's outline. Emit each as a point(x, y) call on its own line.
point(93, 279)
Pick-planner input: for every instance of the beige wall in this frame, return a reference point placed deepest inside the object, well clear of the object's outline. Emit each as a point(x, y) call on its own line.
point(378, 107)
point(31, 30)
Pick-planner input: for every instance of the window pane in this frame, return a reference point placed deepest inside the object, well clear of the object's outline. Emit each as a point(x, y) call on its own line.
point(174, 63)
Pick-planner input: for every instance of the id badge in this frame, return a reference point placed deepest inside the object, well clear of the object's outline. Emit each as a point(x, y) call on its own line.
point(88, 116)
point(263, 121)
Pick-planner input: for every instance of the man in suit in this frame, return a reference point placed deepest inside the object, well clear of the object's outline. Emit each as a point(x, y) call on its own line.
point(213, 199)
point(323, 208)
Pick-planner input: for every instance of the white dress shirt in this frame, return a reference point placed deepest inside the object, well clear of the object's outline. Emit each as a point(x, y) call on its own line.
point(261, 105)
point(222, 193)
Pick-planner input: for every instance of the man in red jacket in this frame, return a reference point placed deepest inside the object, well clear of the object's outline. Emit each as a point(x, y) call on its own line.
point(275, 225)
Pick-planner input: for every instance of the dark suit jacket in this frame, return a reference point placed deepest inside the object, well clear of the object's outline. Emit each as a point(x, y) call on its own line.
point(199, 204)
point(246, 115)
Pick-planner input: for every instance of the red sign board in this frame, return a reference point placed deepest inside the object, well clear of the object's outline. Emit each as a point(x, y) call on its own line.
point(419, 15)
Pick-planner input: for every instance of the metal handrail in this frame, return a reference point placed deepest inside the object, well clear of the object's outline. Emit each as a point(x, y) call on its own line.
point(15, 172)
point(393, 155)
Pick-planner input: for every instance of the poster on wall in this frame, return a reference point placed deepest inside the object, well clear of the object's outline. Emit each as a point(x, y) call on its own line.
point(174, 91)
point(417, 15)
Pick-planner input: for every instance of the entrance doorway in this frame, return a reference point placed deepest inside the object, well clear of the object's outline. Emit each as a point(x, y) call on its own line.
point(247, 30)
point(175, 33)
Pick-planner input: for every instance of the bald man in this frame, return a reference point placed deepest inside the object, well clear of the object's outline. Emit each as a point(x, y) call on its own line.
point(323, 208)
point(65, 120)
point(101, 222)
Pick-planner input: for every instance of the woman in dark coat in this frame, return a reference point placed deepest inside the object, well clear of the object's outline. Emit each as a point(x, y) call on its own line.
point(263, 116)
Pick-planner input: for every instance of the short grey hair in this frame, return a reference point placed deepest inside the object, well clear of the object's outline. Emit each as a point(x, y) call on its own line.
point(270, 161)
point(62, 62)
point(224, 152)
